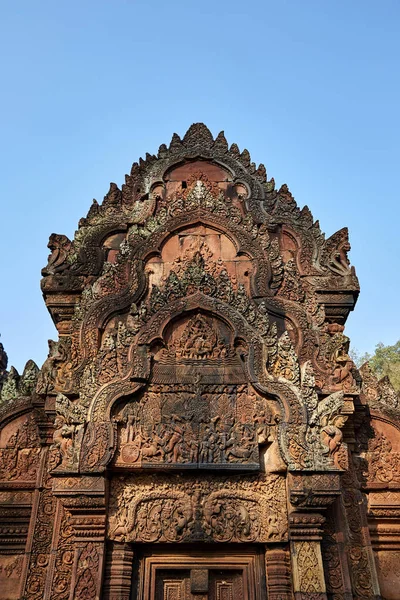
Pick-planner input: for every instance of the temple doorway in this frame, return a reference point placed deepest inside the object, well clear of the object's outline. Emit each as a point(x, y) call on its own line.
point(193, 574)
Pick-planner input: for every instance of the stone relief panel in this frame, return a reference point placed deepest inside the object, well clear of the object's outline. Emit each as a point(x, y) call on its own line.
point(198, 347)
point(10, 576)
point(388, 569)
point(170, 508)
point(200, 244)
point(382, 456)
point(196, 427)
point(19, 450)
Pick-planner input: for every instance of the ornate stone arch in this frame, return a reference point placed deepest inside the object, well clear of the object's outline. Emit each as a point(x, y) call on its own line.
point(292, 409)
point(272, 341)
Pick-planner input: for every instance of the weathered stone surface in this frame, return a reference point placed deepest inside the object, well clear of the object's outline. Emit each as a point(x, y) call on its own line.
point(201, 392)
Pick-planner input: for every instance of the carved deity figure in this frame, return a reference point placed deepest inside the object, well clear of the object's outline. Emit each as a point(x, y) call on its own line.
point(60, 247)
point(342, 376)
point(199, 341)
point(332, 438)
point(68, 432)
point(331, 420)
point(48, 374)
point(63, 439)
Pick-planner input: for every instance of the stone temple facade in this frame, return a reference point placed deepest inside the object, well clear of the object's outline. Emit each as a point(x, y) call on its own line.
point(198, 430)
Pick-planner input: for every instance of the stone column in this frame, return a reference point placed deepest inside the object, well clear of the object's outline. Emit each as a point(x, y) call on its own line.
point(38, 548)
point(118, 572)
point(310, 494)
point(279, 584)
point(84, 499)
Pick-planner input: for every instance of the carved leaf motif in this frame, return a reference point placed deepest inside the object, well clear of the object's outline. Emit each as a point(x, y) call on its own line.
point(383, 463)
point(219, 510)
point(87, 573)
point(307, 564)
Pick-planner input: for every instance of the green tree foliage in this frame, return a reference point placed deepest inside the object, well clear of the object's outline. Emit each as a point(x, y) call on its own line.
point(384, 361)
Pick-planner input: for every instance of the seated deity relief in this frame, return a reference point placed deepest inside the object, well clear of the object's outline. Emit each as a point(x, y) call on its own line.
point(199, 341)
point(179, 179)
point(198, 347)
point(198, 426)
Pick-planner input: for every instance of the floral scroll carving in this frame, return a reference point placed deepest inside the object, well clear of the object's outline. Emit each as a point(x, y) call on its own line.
point(87, 573)
point(307, 561)
point(168, 509)
point(383, 462)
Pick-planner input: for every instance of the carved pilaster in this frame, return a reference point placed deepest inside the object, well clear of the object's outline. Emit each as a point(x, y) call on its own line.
point(337, 576)
point(279, 583)
point(352, 521)
point(38, 548)
point(61, 560)
point(308, 572)
point(84, 499)
point(118, 572)
point(311, 494)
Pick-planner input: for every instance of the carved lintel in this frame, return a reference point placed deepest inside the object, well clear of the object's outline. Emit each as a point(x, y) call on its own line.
point(161, 508)
point(314, 490)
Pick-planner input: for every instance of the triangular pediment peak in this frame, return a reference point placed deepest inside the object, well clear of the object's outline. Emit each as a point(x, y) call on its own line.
point(198, 134)
point(132, 201)
point(198, 141)
point(201, 178)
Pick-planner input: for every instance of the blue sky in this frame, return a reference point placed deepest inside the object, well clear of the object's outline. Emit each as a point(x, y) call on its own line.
point(310, 87)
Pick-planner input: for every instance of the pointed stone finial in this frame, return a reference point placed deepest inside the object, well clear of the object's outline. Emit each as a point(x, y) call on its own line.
point(220, 143)
point(10, 385)
point(3, 362)
point(245, 158)
point(234, 149)
point(198, 135)
point(162, 151)
point(28, 379)
point(261, 172)
point(176, 143)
